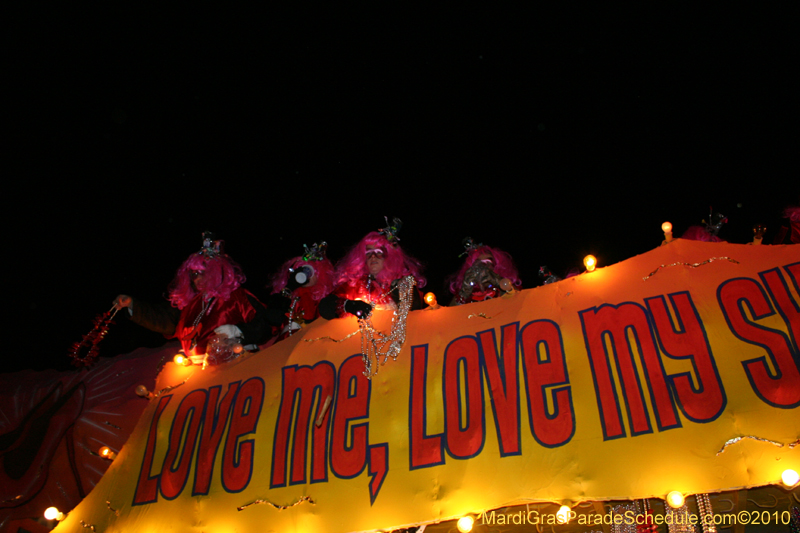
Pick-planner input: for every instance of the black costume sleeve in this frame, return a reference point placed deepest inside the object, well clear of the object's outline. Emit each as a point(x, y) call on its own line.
point(257, 331)
point(331, 307)
point(277, 307)
point(784, 234)
point(417, 303)
point(161, 318)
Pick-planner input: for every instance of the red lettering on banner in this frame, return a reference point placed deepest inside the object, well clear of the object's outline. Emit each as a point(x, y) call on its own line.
point(237, 459)
point(147, 486)
point(349, 443)
point(463, 416)
point(197, 415)
point(424, 450)
point(744, 303)
point(546, 374)
point(214, 422)
point(501, 372)
point(787, 306)
point(615, 323)
point(378, 467)
point(302, 386)
point(706, 401)
point(182, 441)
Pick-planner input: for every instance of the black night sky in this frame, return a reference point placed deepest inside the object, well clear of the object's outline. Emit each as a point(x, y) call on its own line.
point(548, 133)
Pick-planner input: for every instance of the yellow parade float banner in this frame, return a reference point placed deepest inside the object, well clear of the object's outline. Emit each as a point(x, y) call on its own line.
point(676, 370)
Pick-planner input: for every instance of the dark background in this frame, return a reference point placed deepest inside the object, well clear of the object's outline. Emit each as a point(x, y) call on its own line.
point(548, 133)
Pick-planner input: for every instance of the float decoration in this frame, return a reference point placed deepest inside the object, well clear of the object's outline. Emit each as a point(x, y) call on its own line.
point(690, 265)
point(590, 390)
point(734, 440)
point(327, 338)
point(275, 505)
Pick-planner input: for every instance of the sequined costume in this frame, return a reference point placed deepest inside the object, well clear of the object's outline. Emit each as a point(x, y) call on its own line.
point(194, 325)
point(365, 289)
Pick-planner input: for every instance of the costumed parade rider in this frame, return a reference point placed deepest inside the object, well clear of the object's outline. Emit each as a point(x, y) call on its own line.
point(709, 230)
point(208, 306)
point(297, 288)
point(486, 273)
point(789, 231)
point(369, 276)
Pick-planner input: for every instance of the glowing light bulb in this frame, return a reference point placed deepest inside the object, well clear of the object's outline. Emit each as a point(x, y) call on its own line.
point(564, 514)
point(675, 499)
point(465, 523)
point(182, 360)
point(590, 262)
point(666, 227)
point(52, 513)
point(790, 478)
point(758, 233)
point(430, 298)
point(106, 452)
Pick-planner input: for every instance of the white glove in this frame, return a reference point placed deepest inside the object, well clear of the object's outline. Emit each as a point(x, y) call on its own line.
point(230, 331)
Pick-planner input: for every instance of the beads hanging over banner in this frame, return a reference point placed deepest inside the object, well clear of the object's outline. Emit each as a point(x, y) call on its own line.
point(375, 344)
point(648, 523)
point(794, 522)
point(624, 526)
point(706, 513)
point(678, 520)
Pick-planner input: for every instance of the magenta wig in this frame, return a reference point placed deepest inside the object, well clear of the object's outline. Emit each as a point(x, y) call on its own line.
point(792, 213)
point(503, 267)
point(397, 263)
point(699, 233)
point(323, 268)
point(222, 276)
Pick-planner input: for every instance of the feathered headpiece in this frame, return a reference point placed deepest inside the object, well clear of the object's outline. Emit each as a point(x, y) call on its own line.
point(316, 252)
point(469, 245)
point(212, 245)
point(715, 222)
point(391, 230)
point(547, 276)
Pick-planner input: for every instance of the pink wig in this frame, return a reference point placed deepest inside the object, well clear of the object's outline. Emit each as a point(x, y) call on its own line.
point(699, 233)
point(503, 267)
point(324, 270)
point(397, 263)
point(792, 213)
point(222, 276)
